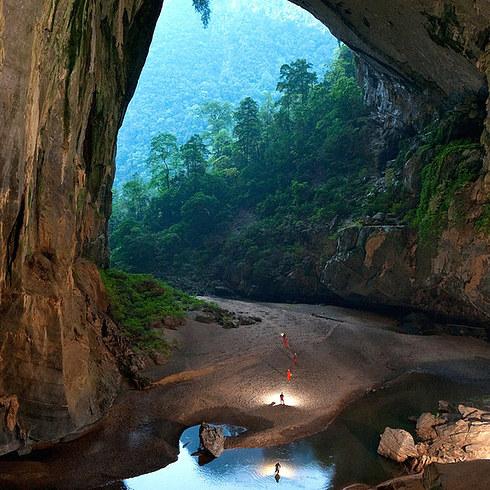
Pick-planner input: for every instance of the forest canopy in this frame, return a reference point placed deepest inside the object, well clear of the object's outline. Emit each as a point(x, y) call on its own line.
point(247, 199)
point(239, 54)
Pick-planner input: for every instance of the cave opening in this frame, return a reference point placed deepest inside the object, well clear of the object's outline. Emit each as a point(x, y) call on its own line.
point(316, 195)
point(221, 143)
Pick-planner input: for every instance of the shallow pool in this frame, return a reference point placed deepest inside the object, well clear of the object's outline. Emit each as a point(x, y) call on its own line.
point(343, 453)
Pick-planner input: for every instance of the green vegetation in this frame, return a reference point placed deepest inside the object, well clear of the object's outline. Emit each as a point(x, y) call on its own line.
point(441, 180)
point(250, 199)
point(141, 305)
point(483, 222)
point(202, 7)
point(239, 54)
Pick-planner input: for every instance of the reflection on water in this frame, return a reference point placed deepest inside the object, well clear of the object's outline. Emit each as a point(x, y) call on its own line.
point(239, 469)
point(344, 453)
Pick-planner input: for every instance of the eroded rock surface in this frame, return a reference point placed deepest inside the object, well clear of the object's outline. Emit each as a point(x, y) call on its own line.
point(462, 434)
point(212, 439)
point(67, 71)
point(397, 444)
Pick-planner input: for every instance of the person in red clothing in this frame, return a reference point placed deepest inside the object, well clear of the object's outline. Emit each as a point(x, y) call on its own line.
point(295, 359)
point(285, 341)
point(289, 375)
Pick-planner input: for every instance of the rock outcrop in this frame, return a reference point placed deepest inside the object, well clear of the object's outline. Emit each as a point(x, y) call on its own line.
point(461, 434)
point(67, 72)
point(212, 438)
point(397, 444)
point(459, 476)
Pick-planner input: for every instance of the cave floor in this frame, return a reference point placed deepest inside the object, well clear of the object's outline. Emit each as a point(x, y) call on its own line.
point(233, 376)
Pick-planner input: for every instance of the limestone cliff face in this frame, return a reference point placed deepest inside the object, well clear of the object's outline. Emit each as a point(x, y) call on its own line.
point(416, 58)
point(68, 69)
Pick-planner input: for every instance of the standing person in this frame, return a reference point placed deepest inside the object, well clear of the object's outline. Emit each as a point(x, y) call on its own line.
point(277, 476)
point(289, 375)
point(281, 397)
point(285, 341)
point(295, 359)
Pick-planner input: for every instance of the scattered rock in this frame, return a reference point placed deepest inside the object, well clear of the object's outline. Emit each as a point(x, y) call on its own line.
point(425, 426)
point(397, 444)
point(225, 318)
point(248, 320)
point(212, 439)
point(444, 406)
point(205, 318)
point(158, 358)
point(11, 406)
point(462, 434)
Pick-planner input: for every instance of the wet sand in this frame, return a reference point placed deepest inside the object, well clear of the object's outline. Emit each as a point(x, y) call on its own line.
point(232, 376)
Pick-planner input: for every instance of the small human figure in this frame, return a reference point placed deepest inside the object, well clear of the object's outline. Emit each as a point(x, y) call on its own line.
point(295, 359)
point(277, 476)
point(281, 397)
point(285, 341)
point(289, 375)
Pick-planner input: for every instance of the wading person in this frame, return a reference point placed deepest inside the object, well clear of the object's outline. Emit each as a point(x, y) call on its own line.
point(295, 359)
point(289, 375)
point(281, 397)
point(277, 476)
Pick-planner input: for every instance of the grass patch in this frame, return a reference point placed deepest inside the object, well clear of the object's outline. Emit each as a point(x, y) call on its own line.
point(139, 302)
point(441, 180)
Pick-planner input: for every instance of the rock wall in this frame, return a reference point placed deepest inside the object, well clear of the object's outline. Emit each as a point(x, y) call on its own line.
point(68, 69)
point(417, 59)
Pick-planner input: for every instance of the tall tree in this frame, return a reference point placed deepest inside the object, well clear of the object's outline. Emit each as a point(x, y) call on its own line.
point(162, 160)
point(135, 199)
point(248, 129)
point(295, 82)
point(194, 154)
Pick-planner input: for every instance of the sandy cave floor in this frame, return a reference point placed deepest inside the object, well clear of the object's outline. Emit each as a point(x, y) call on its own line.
point(232, 376)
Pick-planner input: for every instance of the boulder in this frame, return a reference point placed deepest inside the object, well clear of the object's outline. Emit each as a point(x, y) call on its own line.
point(460, 434)
point(212, 439)
point(473, 414)
point(205, 318)
point(425, 426)
point(397, 444)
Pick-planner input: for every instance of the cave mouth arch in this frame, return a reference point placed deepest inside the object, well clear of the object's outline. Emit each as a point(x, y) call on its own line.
point(72, 76)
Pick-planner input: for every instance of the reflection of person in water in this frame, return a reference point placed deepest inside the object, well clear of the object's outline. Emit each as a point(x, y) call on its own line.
point(277, 476)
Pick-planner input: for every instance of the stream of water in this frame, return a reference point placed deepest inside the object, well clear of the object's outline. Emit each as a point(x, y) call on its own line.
point(343, 453)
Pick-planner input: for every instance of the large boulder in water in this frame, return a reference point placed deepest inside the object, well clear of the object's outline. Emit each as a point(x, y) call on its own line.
point(212, 439)
point(397, 444)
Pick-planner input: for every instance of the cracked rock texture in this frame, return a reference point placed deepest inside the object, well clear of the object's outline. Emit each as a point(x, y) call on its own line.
point(68, 69)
